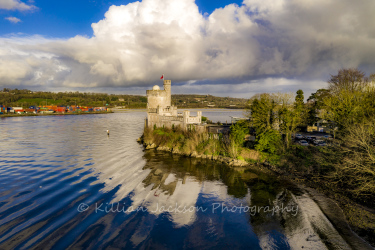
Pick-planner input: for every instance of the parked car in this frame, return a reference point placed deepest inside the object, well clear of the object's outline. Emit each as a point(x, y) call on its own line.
point(317, 142)
point(310, 139)
point(329, 137)
point(303, 143)
point(299, 137)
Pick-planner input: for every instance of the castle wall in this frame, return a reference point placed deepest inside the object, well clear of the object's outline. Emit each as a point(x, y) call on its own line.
point(157, 98)
point(188, 119)
point(161, 120)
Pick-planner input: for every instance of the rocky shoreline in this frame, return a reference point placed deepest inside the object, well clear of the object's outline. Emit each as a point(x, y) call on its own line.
point(221, 159)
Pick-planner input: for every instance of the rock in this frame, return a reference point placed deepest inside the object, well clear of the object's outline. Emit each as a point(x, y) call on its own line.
point(176, 151)
point(227, 159)
point(151, 146)
point(163, 148)
point(194, 154)
point(240, 163)
point(236, 163)
point(244, 163)
point(158, 172)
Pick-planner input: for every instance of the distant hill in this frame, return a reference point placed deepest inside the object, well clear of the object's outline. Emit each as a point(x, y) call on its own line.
point(208, 101)
point(26, 98)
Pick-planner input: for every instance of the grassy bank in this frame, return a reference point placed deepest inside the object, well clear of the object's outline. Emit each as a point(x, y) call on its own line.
point(191, 143)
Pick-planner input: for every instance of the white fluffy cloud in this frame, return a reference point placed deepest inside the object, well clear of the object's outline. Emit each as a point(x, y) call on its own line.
point(261, 39)
point(15, 5)
point(13, 19)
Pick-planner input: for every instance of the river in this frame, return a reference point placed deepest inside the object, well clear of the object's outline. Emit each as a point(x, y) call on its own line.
point(64, 183)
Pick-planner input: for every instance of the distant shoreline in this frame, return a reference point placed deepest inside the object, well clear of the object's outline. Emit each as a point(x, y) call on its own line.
point(126, 109)
point(49, 114)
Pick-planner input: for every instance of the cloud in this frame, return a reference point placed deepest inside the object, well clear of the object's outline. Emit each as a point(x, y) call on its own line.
point(252, 87)
point(13, 19)
point(15, 5)
point(303, 41)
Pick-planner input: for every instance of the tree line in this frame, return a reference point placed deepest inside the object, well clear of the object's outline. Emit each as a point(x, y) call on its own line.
point(27, 98)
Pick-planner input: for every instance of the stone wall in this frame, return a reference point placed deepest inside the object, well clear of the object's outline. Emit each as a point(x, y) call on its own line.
point(167, 88)
point(156, 98)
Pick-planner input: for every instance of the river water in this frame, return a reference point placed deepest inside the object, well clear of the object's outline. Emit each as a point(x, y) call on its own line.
point(65, 184)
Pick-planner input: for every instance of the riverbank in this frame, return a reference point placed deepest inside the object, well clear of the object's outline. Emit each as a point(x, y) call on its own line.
point(48, 114)
point(361, 219)
point(342, 210)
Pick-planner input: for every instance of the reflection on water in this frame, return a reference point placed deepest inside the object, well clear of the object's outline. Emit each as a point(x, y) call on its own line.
point(65, 183)
point(186, 181)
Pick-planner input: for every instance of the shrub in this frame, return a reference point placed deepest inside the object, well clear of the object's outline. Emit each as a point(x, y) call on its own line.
point(269, 141)
point(238, 132)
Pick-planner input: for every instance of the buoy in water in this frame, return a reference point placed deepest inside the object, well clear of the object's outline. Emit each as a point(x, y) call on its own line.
point(107, 132)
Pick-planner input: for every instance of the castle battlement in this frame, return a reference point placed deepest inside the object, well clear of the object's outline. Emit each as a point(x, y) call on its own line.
point(155, 92)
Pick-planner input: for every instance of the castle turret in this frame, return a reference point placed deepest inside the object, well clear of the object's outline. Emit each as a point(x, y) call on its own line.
point(199, 115)
point(186, 115)
point(167, 88)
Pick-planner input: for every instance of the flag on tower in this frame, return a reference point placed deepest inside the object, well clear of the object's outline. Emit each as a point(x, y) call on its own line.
point(162, 76)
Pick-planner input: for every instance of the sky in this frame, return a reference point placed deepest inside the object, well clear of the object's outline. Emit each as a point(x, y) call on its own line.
point(223, 48)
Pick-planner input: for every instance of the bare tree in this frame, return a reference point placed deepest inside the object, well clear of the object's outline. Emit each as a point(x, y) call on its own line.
point(349, 79)
point(357, 169)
